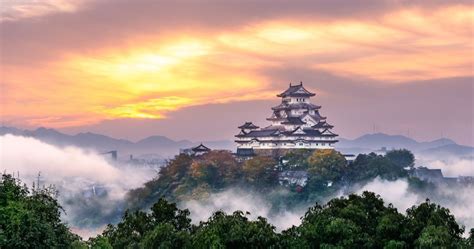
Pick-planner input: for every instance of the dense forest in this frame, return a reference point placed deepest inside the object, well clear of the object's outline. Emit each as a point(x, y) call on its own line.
point(31, 218)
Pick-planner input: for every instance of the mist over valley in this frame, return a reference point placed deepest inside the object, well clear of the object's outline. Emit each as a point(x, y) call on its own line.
point(94, 188)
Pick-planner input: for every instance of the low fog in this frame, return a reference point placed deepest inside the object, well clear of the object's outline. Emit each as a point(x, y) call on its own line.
point(459, 201)
point(237, 199)
point(73, 171)
point(451, 166)
point(80, 176)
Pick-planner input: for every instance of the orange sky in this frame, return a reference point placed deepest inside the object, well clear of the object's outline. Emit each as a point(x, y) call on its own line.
point(79, 63)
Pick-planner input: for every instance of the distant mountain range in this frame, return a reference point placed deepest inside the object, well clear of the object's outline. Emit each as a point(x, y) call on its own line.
point(379, 141)
point(165, 147)
point(160, 146)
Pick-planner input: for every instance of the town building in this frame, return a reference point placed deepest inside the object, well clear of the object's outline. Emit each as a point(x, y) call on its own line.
point(436, 176)
point(293, 178)
point(294, 124)
point(196, 151)
point(428, 175)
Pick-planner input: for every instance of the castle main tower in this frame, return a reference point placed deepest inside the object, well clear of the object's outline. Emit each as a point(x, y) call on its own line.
point(295, 124)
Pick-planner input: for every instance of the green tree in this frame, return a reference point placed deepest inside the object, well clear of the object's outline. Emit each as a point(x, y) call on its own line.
point(165, 226)
point(297, 159)
point(99, 242)
point(234, 231)
point(165, 212)
point(402, 158)
point(435, 237)
point(31, 219)
point(470, 240)
point(165, 235)
point(79, 245)
point(367, 167)
point(217, 168)
point(327, 164)
point(260, 169)
point(130, 231)
point(352, 222)
point(429, 220)
point(178, 167)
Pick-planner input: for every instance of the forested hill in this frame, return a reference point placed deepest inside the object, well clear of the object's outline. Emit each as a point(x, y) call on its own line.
point(299, 177)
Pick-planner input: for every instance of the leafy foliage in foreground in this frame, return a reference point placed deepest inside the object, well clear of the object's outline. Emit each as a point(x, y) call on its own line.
point(31, 219)
point(358, 221)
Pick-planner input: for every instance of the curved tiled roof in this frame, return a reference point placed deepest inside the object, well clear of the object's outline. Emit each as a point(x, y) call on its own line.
point(200, 148)
point(322, 124)
point(248, 125)
point(262, 133)
point(296, 91)
point(286, 106)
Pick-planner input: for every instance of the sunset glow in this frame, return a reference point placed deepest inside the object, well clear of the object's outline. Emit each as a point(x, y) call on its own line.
point(149, 72)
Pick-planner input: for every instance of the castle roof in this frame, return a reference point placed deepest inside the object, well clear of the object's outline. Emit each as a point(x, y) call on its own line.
point(296, 91)
point(262, 133)
point(286, 106)
point(328, 133)
point(200, 148)
point(248, 125)
point(322, 124)
point(275, 132)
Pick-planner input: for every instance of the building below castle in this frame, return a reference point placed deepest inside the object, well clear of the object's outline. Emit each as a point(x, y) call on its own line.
point(196, 151)
point(294, 124)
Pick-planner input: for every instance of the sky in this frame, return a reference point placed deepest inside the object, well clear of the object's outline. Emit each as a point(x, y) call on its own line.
point(198, 69)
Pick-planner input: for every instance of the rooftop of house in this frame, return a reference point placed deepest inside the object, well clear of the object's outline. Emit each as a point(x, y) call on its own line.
point(200, 148)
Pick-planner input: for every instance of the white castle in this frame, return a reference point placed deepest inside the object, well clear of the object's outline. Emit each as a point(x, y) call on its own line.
point(295, 124)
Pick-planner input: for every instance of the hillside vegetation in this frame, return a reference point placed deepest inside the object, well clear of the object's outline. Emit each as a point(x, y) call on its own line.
point(327, 172)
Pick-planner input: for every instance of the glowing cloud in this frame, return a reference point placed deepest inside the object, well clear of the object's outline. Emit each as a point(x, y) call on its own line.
point(12, 10)
point(152, 108)
point(149, 75)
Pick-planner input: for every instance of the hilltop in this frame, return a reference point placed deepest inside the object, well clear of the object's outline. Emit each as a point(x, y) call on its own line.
point(299, 177)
